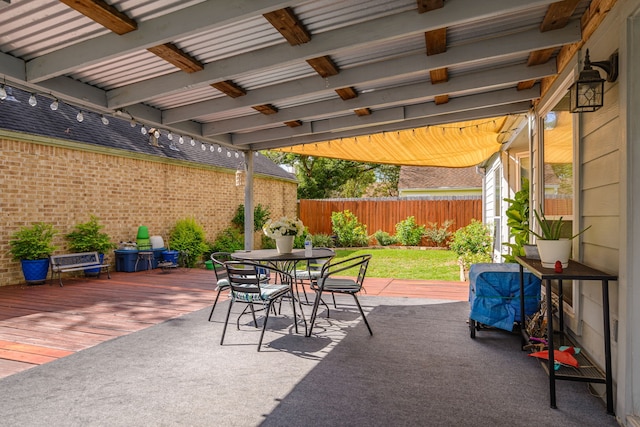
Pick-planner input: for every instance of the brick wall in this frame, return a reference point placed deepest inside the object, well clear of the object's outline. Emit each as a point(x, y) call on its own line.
point(63, 186)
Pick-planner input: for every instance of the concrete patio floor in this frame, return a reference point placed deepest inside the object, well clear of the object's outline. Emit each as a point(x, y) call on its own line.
point(42, 323)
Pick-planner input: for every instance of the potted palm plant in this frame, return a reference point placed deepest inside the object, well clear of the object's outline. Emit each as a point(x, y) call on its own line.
point(89, 237)
point(32, 246)
point(551, 246)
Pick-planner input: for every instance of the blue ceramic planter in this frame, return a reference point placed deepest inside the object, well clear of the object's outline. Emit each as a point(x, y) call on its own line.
point(35, 270)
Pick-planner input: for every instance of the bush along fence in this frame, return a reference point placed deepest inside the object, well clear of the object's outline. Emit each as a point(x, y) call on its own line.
point(382, 214)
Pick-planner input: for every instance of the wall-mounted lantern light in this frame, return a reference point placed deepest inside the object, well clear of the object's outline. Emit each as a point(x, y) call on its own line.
point(587, 93)
point(240, 175)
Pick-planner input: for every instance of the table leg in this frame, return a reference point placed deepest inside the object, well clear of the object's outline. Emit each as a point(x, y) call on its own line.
point(607, 347)
point(552, 372)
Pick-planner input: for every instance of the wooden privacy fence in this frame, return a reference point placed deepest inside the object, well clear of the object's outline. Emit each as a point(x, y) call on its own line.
point(383, 214)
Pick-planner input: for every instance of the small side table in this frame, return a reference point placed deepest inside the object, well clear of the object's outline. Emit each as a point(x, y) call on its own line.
point(574, 271)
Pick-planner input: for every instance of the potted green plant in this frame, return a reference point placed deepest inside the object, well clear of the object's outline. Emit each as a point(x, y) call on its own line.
point(89, 237)
point(518, 222)
point(552, 247)
point(32, 246)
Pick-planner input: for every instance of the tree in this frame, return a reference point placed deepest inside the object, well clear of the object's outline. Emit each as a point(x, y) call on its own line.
point(321, 177)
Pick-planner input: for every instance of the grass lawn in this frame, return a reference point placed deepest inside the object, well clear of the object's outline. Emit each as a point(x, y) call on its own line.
point(429, 264)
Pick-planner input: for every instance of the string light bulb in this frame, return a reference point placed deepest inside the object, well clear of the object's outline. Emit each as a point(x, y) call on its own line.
point(3, 93)
point(143, 130)
point(80, 116)
point(181, 139)
point(219, 149)
point(193, 142)
point(156, 133)
point(32, 100)
point(54, 105)
point(170, 136)
point(104, 120)
point(132, 123)
point(204, 147)
point(211, 148)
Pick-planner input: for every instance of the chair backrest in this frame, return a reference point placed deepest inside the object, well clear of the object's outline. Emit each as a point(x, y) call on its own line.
point(317, 264)
point(359, 262)
point(243, 276)
point(219, 258)
point(247, 277)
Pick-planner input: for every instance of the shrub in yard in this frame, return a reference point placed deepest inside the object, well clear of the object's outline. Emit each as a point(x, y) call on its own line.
point(321, 240)
point(260, 216)
point(188, 236)
point(384, 239)
point(439, 235)
point(349, 231)
point(230, 239)
point(409, 233)
point(472, 244)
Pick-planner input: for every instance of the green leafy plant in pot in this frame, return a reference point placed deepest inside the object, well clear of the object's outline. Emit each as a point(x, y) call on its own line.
point(89, 237)
point(551, 246)
point(518, 222)
point(32, 246)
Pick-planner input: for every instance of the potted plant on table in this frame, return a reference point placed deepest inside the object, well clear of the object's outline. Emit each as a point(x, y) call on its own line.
point(283, 231)
point(88, 237)
point(32, 246)
point(551, 246)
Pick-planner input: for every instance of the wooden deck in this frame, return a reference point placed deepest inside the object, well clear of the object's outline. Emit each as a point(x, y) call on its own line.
point(39, 324)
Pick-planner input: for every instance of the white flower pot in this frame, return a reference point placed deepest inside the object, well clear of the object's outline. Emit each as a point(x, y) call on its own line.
point(554, 250)
point(284, 244)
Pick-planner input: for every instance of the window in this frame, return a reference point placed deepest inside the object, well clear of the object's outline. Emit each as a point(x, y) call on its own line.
point(557, 137)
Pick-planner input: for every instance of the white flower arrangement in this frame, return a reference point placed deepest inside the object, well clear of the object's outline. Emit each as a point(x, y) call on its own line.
point(283, 227)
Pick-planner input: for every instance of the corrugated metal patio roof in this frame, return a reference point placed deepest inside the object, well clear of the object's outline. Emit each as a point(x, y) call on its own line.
point(488, 61)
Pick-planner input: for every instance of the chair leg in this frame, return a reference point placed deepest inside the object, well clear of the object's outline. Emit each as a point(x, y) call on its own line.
point(333, 296)
point(314, 312)
point(293, 306)
point(226, 321)
point(304, 292)
point(264, 326)
point(362, 313)
point(214, 303)
point(253, 313)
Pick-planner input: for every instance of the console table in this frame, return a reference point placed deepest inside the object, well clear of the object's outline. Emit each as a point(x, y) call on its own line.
point(574, 271)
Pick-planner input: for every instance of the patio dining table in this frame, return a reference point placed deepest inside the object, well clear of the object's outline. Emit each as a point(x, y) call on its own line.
point(286, 262)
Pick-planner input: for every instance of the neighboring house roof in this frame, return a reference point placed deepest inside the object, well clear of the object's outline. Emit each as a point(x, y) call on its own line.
point(63, 124)
point(428, 178)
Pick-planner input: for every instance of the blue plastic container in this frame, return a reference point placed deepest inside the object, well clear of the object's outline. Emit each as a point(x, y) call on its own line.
point(126, 260)
point(170, 256)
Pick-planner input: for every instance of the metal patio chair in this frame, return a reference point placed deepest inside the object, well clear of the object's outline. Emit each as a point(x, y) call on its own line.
point(327, 282)
point(247, 287)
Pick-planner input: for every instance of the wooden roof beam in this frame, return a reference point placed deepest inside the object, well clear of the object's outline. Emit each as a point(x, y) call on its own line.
point(428, 5)
point(362, 112)
point(265, 109)
point(347, 93)
point(536, 58)
point(436, 42)
point(175, 56)
point(229, 88)
point(293, 123)
point(104, 14)
point(590, 20)
point(558, 15)
point(324, 66)
point(288, 24)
